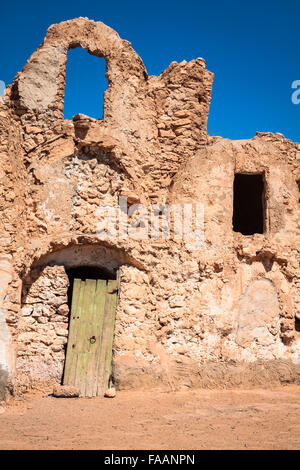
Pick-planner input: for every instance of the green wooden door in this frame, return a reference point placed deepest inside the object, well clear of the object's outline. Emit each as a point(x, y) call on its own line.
point(91, 330)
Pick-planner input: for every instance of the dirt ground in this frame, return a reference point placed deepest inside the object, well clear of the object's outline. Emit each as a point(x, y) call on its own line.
point(195, 419)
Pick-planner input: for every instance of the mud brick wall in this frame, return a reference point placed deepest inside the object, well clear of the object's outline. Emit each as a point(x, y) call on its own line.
point(224, 314)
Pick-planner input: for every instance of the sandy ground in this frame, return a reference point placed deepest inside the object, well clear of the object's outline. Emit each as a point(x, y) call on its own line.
point(195, 419)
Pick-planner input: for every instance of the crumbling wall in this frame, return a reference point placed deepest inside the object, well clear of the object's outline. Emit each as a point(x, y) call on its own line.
point(12, 230)
point(43, 326)
point(223, 314)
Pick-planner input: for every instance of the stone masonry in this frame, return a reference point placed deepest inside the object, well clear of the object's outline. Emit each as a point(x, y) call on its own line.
point(224, 315)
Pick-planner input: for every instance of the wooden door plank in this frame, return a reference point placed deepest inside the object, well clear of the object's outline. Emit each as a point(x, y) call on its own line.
point(91, 338)
point(82, 359)
point(111, 312)
point(106, 338)
point(70, 363)
point(102, 353)
point(75, 345)
point(83, 339)
point(98, 379)
point(79, 341)
point(99, 316)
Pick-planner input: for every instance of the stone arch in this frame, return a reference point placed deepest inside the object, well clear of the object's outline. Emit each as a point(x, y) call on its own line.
point(85, 254)
point(45, 305)
point(50, 247)
point(39, 88)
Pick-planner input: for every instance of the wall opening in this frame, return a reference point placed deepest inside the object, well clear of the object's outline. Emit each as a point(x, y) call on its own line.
point(248, 203)
point(88, 353)
point(85, 84)
point(298, 183)
point(83, 273)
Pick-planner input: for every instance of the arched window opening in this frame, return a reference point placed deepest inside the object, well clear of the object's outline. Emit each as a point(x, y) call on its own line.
point(85, 84)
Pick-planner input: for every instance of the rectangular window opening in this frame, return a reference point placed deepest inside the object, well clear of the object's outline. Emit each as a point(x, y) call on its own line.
point(249, 203)
point(298, 183)
point(85, 84)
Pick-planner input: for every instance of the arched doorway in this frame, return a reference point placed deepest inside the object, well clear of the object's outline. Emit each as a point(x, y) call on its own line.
point(45, 339)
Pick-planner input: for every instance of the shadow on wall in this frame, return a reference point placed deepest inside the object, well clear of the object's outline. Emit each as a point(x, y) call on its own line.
point(3, 383)
point(83, 273)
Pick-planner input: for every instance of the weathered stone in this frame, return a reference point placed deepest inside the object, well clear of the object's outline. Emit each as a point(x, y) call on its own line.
point(181, 122)
point(110, 393)
point(63, 309)
point(65, 391)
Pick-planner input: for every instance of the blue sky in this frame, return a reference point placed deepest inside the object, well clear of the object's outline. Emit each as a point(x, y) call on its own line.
point(252, 47)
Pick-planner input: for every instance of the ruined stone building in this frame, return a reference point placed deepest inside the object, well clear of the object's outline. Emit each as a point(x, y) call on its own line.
point(225, 313)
